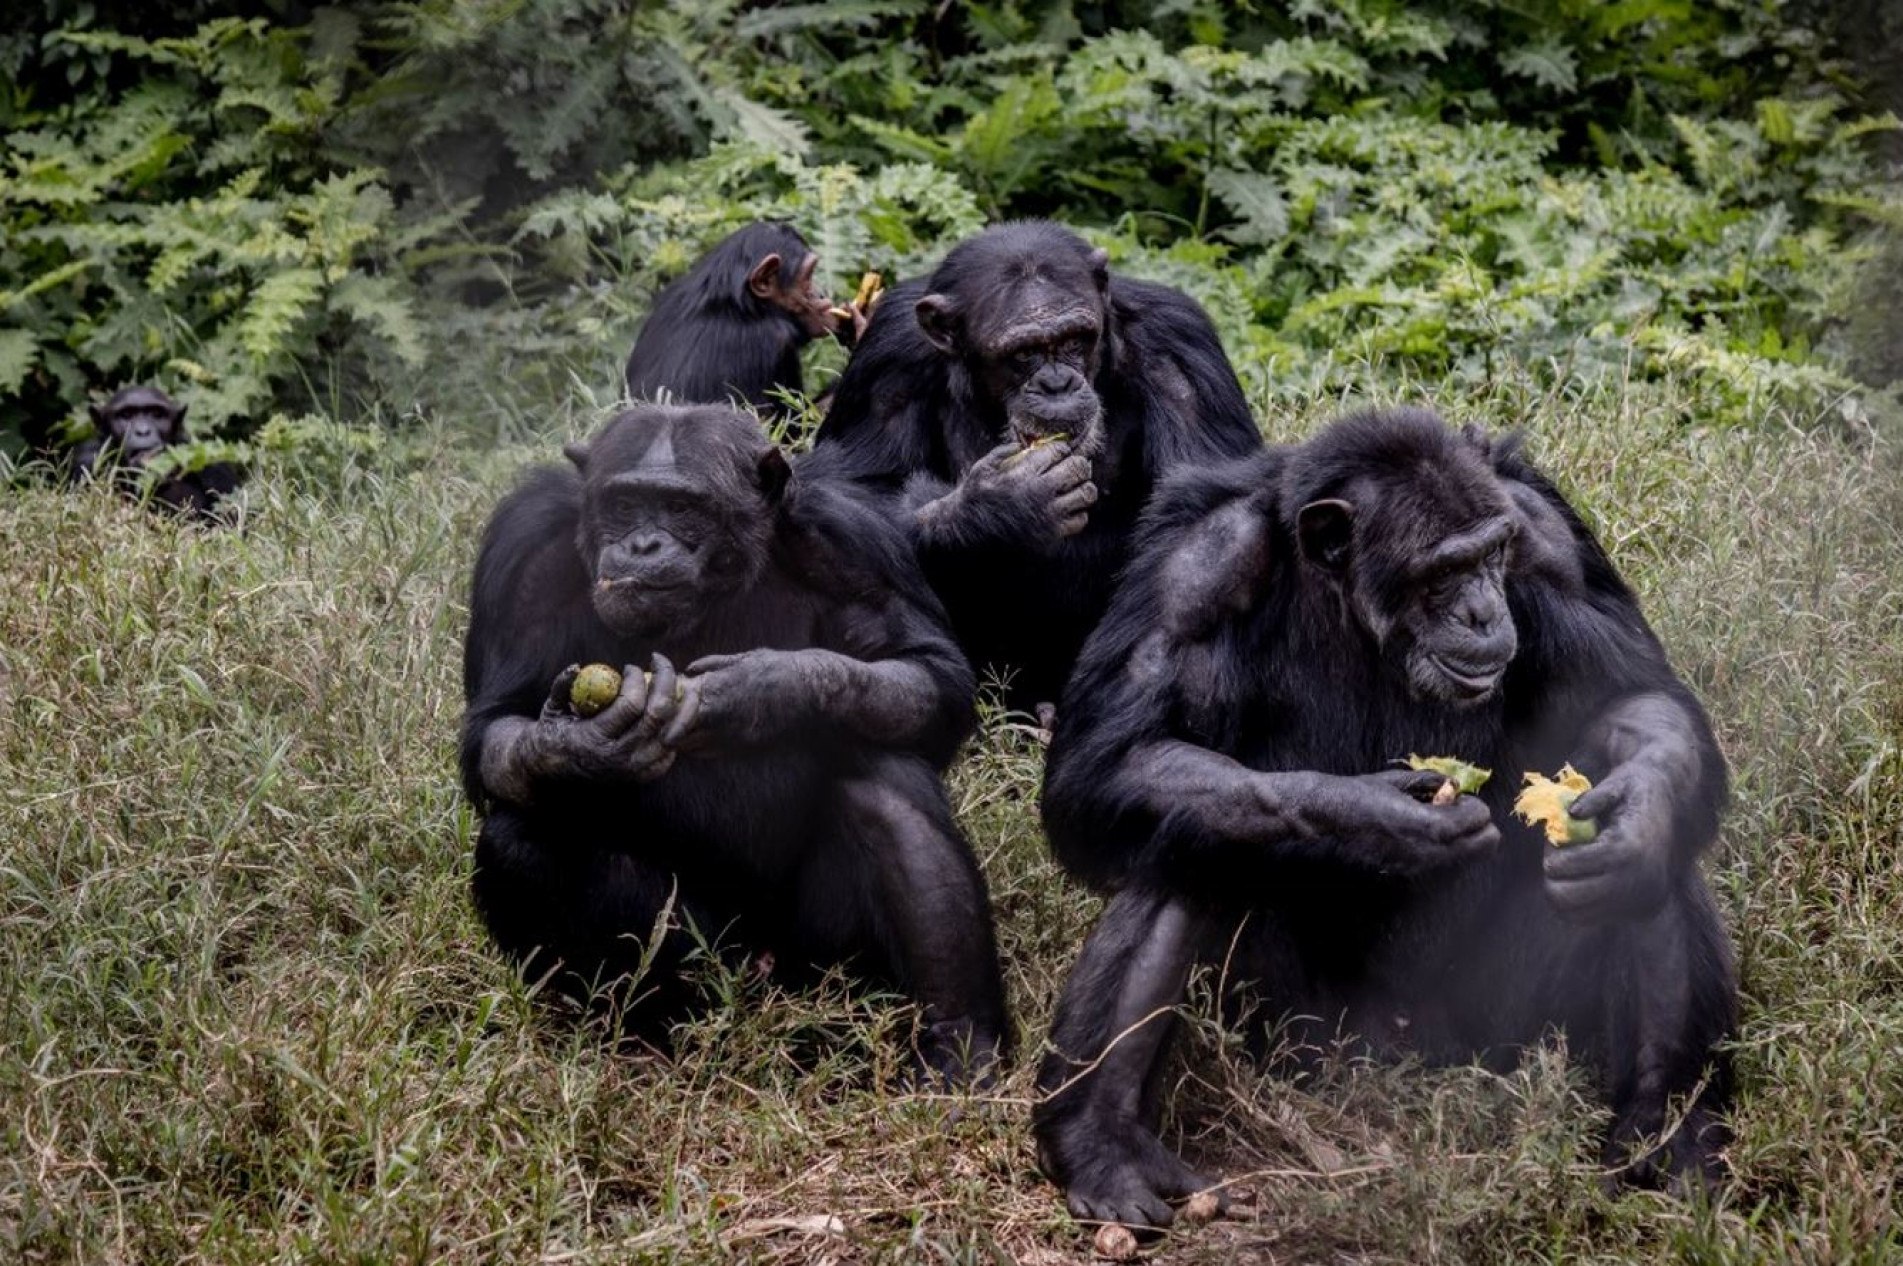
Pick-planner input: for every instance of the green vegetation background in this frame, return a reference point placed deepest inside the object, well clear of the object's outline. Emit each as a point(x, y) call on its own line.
point(389, 252)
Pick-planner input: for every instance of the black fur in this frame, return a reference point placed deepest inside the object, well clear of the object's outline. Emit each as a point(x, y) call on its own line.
point(804, 817)
point(913, 420)
point(709, 339)
point(1228, 650)
point(132, 428)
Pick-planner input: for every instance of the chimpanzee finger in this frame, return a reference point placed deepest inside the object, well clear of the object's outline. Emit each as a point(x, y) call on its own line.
point(558, 690)
point(1076, 501)
point(1071, 525)
point(1597, 801)
point(664, 696)
point(999, 455)
point(709, 663)
point(1072, 472)
point(1578, 897)
point(1582, 861)
point(1421, 784)
point(625, 709)
point(680, 730)
point(651, 761)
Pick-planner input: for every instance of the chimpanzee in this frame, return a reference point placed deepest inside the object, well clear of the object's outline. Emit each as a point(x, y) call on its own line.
point(134, 426)
point(1224, 760)
point(1024, 402)
point(733, 326)
point(779, 791)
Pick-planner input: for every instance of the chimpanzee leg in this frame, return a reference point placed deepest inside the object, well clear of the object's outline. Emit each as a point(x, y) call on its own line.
point(1096, 1125)
point(899, 874)
point(588, 916)
point(1645, 1000)
point(1670, 999)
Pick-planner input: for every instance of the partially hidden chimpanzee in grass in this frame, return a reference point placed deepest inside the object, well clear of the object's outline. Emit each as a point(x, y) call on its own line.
point(777, 794)
point(133, 427)
point(1224, 763)
point(1023, 402)
point(732, 328)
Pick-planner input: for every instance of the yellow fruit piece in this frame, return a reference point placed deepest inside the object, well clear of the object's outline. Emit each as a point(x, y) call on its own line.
point(1467, 779)
point(1544, 802)
point(868, 287)
point(594, 688)
point(1042, 441)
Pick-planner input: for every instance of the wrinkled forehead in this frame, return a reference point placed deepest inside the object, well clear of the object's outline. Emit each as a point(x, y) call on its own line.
point(1020, 299)
point(676, 447)
point(140, 400)
point(1449, 497)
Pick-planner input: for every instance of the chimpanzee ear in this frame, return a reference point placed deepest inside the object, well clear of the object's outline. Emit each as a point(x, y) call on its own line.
point(1327, 531)
point(577, 452)
point(1100, 267)
point(178, 423)
point(764, 280)
point(774, 475)
point(938, 317)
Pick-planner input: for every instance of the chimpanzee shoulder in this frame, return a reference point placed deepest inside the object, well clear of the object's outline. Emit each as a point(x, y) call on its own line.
point(890, 403)
point(1170, 367)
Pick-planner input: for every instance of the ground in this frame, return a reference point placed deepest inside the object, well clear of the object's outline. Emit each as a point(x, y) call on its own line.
point(247, 1015)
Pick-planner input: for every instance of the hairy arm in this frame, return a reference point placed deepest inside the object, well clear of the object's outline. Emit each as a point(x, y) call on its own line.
point(1606, 698)
point(1136, 785)
point(886, 673)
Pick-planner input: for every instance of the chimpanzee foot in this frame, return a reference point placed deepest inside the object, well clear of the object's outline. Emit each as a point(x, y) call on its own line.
point(1125, 1176)
point(959, 1054)
point(1691, 1160)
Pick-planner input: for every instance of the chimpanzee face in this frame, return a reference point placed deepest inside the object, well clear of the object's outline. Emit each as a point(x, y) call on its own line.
point(1423, 569)
point(794, 292)
point(139, 422)
point(678, 507)
point(1030, 331)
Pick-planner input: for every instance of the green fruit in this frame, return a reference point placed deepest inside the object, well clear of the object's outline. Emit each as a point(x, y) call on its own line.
point(1467, 779)
point(595, 687)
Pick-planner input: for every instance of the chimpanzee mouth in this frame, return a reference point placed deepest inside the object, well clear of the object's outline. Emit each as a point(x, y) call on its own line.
point(1470, 681)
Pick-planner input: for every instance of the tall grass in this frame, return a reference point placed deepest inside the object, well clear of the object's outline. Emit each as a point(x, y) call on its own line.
point(246, 1014)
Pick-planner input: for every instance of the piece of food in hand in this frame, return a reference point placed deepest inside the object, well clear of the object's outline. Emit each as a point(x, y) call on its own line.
point(594, 688)
point(869, 290)
point(1042, 441)
point(1544, 802)
point(1115, 1242)
point(1464, 778)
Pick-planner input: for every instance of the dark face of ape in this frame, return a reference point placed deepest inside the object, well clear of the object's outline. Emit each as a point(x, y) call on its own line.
point(1025, 308)
point(139, 422)
point(1418, 540)
point(678, 511)
point(788, 285)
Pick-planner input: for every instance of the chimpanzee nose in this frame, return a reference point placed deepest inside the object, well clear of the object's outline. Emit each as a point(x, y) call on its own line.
point(646, 544)
point(1053, 380)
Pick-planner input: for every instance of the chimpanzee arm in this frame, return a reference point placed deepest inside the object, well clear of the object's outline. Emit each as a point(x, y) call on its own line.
point(887, 673)
point(1172, 372)
point(1135, 785)
point(1607, 700)
point(529, 618)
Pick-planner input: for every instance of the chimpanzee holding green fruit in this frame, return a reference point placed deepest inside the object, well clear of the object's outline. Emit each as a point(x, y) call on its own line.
point(766, 779)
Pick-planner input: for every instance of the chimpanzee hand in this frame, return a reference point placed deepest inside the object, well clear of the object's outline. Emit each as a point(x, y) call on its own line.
point(1382, 820)
point(1038, 494)
point(624, 739)
point(1625, 872)
point(731, 701)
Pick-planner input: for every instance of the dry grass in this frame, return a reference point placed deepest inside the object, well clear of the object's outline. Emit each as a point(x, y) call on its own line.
point(246, 1014)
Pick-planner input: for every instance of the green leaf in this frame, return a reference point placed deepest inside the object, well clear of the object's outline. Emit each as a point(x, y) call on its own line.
point(19, 350)
point(1258, 199)
point(1548, 63)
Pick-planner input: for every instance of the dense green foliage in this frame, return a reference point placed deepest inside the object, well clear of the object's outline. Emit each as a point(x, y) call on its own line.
point(270, 217)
